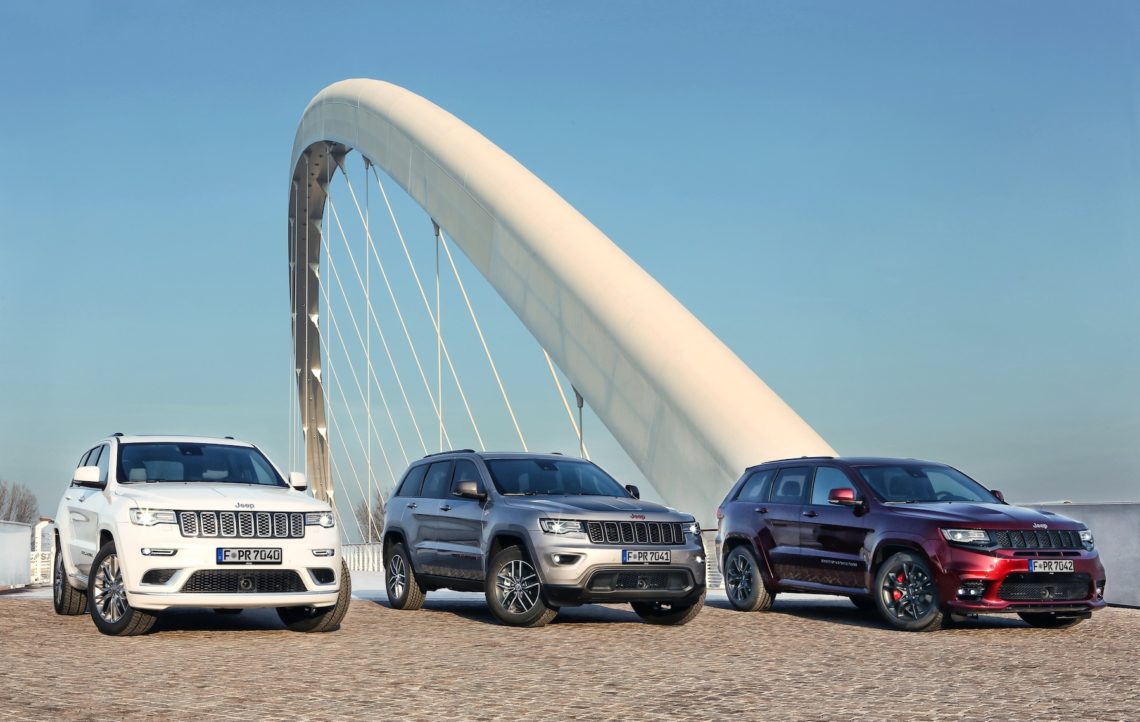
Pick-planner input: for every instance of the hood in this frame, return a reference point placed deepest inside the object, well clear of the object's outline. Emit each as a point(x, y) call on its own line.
point(202, 496)
point(601, 507)
point(985, 516)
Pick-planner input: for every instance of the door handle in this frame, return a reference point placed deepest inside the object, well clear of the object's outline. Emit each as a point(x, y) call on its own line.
point(762, 510)
point(445, 507)
point(413, 505)
point(810, 514)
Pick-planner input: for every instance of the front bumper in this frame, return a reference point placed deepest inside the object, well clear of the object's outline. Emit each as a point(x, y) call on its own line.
point(316, 582)
point(962, 569)
point(596, 574)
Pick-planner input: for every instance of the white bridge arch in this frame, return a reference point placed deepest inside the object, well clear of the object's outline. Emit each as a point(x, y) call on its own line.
point(685, 408)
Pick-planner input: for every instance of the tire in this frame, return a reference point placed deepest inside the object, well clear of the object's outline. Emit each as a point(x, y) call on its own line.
point(514, 590)
point(906, 594)
point(864, 604)
point(743, 582)
point(404, 590)
point(666, 613)
point(1051, 620)
point(107, 600)
point(320, 619)
point(68, 601)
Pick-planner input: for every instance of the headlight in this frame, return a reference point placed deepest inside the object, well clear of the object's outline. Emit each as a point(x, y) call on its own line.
point(966, 536)
point(693, 527)
point(320, 518)
point(1087, 538)
point(150, 517)
point(560, 526)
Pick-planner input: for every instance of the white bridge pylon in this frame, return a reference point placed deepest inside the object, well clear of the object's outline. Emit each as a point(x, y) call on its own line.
point(687, 410)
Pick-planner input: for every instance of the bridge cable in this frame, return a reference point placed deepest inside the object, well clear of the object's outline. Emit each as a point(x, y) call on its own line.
point(400, 316)
point(441, 241)
point(368, 350)
point(566, 404)
point(427, 307)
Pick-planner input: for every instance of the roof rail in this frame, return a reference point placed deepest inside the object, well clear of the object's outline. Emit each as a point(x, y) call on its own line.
point(794, 458)
point(117, 433)
point(450, 451)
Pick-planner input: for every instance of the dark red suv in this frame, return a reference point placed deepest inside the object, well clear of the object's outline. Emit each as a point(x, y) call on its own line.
point(913, 540)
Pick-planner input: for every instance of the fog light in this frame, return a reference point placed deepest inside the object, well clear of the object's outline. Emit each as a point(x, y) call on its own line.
point(148, 552)
point(324, 552)
point(972, 590)
point(700, 560)
point(565, 558)
point(1100, 590)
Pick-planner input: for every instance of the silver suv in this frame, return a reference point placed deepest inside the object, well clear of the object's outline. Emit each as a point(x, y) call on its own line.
point(535, 532)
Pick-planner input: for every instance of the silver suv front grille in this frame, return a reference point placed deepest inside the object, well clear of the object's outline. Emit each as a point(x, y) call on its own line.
point(636, 532)
point(242, 524)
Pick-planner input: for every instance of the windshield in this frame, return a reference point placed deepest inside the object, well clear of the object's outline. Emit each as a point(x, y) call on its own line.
point(555, 477)
point(914, 483)
point(214, 463)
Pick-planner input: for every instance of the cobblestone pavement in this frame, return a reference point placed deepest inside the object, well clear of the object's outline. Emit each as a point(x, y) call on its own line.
point(804, 660)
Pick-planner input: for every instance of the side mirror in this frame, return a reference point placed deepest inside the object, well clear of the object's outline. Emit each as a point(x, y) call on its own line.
point(469, 490)
point(842, 497)
point(297, 481)
point(1000, 496)
point(87, 476)
point(633, 491)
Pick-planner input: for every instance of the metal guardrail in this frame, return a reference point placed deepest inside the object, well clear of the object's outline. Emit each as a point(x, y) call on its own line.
point(370, 558)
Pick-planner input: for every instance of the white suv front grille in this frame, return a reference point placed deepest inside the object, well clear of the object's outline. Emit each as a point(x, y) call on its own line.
point(242, 524)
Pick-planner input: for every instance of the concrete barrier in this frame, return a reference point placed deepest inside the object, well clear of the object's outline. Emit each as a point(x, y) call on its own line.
point(15, 546)
point(1116, 528)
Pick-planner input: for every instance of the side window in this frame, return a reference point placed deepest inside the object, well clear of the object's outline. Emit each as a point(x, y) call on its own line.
point(826, 479)
point(437, 483)
point(789, 485)
point(103, 462)
point(83, 461)
point(465, 470)
point(755, 488)
point(413, 480)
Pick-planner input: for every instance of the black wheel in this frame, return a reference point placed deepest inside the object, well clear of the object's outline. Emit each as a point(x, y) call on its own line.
point(743, 582)
point(1051, 620)
point(864, 604)
point(320, 619)
point(668, 613)
point(906, 595)
point(68, 600)
point(404, 591)
point(107, 598)
point(514, 591)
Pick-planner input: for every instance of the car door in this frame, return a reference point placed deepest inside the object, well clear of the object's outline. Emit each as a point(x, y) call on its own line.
point(428, 519)
point(832, 536)
point(460, 526)
point(84, 504)
point(780, 537)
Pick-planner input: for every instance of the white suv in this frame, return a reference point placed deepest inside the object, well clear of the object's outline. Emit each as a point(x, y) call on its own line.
point(154, 522)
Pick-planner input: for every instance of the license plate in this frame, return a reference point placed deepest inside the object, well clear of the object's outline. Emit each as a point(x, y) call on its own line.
point(1050, 565)
point(258, 555)
point(640, 556)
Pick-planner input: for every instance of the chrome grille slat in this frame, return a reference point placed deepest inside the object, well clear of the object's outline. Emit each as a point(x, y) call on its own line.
point(236, 525)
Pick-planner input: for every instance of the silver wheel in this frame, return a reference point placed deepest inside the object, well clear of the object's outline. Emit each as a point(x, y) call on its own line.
point(397, 576)
point(110, 598)
point(57, 582)
point(739, 579)
point(516, 587)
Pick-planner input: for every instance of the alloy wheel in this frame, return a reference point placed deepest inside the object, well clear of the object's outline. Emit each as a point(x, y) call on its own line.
point(110, 597)
point(516, 587)
point(57, 583)
point(397, 577)
point(739, 578)
point(908, 591)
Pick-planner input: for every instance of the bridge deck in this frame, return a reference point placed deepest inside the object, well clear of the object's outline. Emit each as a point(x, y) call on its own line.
point(809, 659)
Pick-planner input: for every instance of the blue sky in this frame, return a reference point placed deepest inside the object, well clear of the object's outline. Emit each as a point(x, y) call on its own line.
point(920, 225)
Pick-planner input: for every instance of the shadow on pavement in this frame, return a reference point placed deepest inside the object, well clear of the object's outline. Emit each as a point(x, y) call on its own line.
point(207, 620)
point(843, 613)
point(475, 610)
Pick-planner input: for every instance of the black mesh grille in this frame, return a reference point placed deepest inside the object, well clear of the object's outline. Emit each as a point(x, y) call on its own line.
point(1037, 539)
point(236, 525)
point(1045, 587)
point(674, 580)
point(236, 581)
point(636, 532)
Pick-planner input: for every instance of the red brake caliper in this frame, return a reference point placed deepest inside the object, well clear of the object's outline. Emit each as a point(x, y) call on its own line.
point(894, 592)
